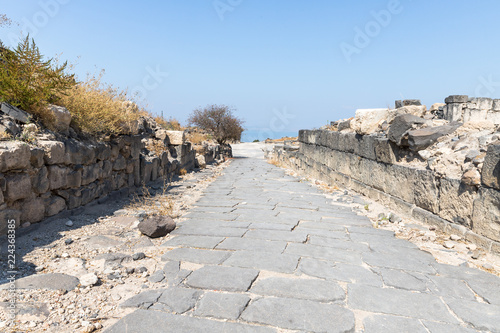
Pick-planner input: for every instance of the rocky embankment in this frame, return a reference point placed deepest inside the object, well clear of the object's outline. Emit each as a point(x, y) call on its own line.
point(440, 165)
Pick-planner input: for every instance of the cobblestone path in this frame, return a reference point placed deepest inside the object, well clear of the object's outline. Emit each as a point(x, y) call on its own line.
point(262, 252)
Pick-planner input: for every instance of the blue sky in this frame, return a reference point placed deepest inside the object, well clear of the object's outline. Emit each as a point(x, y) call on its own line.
point(281, 64)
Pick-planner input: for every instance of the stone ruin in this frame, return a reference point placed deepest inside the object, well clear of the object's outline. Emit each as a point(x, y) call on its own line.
point(440, 165)
point(47, 172)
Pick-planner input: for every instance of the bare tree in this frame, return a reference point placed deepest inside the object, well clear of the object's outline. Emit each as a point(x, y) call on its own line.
point(219, 121)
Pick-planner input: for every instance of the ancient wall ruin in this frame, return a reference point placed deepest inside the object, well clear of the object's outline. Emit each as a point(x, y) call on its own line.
point(56, 173)
point(376, 166)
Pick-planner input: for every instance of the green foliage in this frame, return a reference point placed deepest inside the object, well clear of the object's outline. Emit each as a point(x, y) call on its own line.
point(219, 121)
point(30, 82)
point(256, 140)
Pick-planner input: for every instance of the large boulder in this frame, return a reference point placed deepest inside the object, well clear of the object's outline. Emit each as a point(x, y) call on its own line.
point(61, 118)
point(157, 226)
point(422, 138)
point(367, 121)
point(402, 124)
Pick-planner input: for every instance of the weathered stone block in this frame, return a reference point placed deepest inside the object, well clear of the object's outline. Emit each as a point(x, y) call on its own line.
point(120, 163)
point(176, 137)
point(18, 187)
point(58, 177)
point(14, 155)
point(14, 112)
point(385, 151)
point(456, 201)
point(107, 169)
point(475, 115)
point(481, 103)
point(408, 102)
point(367, 121)
point(453, 111)
point(400, 182)
point(54, 151)
point(74, 179)
point(62, 118)
point(456, 99)
point(422, 138)
point(493, 117)
point(102, 151)
point(401, 124)
point(40, 181)
point(426, 190)
point(32, 210)
point(79, 153)
point(496, 105)
point(486, 214)
point(36, 158)
point(54, 205)
point(490, 173)
point(91, 172)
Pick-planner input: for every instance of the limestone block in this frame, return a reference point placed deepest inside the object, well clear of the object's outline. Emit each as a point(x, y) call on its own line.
point(486, 214)
point(490, 173)
point(426, 190)
point(176, 137)
point(456, 201)
point(475, 115)
point(18, 187)
point(367, 121)
point(54, 151)
point(57, 177)
point(453, 111)
point(493, 117)
point(480, 103)
point(54, 205)
point(14, 155)
point(496, 105)
point(62, 118)
point(416, 110)
point(32, 210)
point(40, 181)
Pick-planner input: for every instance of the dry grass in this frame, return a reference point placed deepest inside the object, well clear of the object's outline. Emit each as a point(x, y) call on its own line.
point(100, 108)
point(275, 162)
point(156, 146)
point(158, 204)
point(171, 124)
point(197, 138)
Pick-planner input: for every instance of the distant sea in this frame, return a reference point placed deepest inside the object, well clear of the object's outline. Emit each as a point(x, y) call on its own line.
point(262, 135)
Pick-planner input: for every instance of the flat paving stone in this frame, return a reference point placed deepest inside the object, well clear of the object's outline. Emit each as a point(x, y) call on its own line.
point(321, 252)
point(157, 322)
point(398, 302)
point(402, 280)
point(481, 316)
point(310, 289)
point(337, 243)
point(392, 324)
point(222, 278)
point(143, 300)
point(260, 245)
point(288, 236)
point(198, 256)
point(321, 225)
point(209, 231)
point(206, 242)
point(302, 315)
point(339, 272)
point(282, 263)
point(271, 226)
point(397, 262)
point(51, 281)
point(437, 327)
point(177, 300)
point(448, 287)
point(222, 306)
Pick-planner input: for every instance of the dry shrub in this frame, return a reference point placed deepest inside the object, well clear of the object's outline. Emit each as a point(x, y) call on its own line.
point(171, 124)
point(197, 138)
point(98, 108)
point(156, 146)
point(158, 204)
point(182, 172)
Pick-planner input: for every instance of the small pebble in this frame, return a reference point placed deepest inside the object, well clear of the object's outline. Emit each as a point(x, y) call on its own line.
point(68, 241)
point(65, 255)
point(432, 228)
point(25, 225)
point(472, 247)
point(455, 237)
point(138, 256)
point(69, 223)
point(449, 245)
point(130, 270)
point(39, 268)
point(141, 269)
point(476, 255)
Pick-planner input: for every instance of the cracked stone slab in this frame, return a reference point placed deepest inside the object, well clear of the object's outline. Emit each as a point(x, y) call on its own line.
point(436, 327)
point(51, 281)
point(177, 300)
point(396, 261)
point(489, 291)
point(340, 235)
point(156, 322)
point(398, 302)
point(222, 306)
point(276, 262)
point(402, 280)
point(143, 300)
point(337, 243)
point(309, 289)
point(339, 272)
point(299, 315)
point(198, 256)
point(271, 226)
point(481, 316)
point(448, 287)
point(209, 231)
point(392, 324)
point(206, 242)
point(235, 243)
point(326, 253)
point(222, 278)
point(321, 225)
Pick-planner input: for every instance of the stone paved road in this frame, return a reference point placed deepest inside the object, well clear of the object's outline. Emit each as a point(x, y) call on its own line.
point(263, 252)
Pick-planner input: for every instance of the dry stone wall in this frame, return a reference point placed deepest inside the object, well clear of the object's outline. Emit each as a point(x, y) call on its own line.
point(43, 179)
point(368, 164)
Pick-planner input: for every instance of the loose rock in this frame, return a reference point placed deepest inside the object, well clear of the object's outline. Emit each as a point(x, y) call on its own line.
point(157, 226)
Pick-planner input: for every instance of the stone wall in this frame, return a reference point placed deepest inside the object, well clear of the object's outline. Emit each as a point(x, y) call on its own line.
point(464, 109)
point(42, 179)
point(368, 164)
